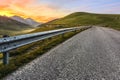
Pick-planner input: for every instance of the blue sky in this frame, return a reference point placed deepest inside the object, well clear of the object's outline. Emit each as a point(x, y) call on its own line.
point(95, 6)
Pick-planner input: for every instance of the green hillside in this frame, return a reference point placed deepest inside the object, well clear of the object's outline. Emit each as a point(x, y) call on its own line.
point(9, 26)
point(82, 18)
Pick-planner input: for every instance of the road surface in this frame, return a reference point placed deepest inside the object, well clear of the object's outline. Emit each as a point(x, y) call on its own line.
point(93, 54)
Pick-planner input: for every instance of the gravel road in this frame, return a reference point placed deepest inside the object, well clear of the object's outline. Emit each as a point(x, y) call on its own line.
point(93, 54)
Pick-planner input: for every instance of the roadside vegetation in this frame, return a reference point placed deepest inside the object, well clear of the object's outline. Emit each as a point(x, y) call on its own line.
point(13, 33)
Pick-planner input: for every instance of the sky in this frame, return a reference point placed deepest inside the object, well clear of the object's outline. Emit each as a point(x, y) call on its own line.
point(46, 10)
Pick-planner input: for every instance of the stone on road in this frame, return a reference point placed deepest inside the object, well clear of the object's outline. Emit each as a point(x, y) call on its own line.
point(93, 54)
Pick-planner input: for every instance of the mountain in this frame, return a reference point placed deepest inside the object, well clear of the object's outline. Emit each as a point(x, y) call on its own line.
point(83, 18)
point(32, 22)
point(27, 21)
point(8, 26)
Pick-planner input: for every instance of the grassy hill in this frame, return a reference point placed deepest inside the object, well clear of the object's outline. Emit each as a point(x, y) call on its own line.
point(82, 18)
point(9, 26)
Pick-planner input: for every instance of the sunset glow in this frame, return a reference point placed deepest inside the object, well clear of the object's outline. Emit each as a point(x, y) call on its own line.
point(46, 10)
point(29, 9)
point(5, 13)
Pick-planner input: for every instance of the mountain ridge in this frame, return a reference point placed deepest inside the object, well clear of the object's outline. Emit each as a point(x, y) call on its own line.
point(8, 23)
point(27, 21)
point(9, 26)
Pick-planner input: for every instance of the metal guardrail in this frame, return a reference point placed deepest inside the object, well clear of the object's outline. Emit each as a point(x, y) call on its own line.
point(10, 43)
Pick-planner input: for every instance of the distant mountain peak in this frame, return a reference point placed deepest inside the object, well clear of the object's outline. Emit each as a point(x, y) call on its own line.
point(7, 23)
point(27, 21)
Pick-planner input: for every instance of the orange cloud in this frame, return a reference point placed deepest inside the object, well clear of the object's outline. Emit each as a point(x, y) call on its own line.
point(28, 8)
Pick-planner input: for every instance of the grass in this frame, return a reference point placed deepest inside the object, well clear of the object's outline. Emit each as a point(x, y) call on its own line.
point(13, 33)
point(46, 28)
point(1, 56)
point(82, 18)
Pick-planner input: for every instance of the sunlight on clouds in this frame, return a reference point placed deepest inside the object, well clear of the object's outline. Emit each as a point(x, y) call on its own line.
point(45, 10)
point(29, 8)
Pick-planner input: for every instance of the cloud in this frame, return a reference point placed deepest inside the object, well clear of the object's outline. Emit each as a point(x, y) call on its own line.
point(45, 10)
point(29, 8)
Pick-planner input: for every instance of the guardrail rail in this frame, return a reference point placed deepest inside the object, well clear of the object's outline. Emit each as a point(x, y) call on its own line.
point(10, 43)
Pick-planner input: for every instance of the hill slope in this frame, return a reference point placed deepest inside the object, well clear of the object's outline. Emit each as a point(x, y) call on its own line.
point(8, 26)
point(82, 18)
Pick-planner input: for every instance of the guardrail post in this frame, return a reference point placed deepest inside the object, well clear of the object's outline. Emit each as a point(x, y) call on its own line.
point(5, 58)
point(5, 54)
